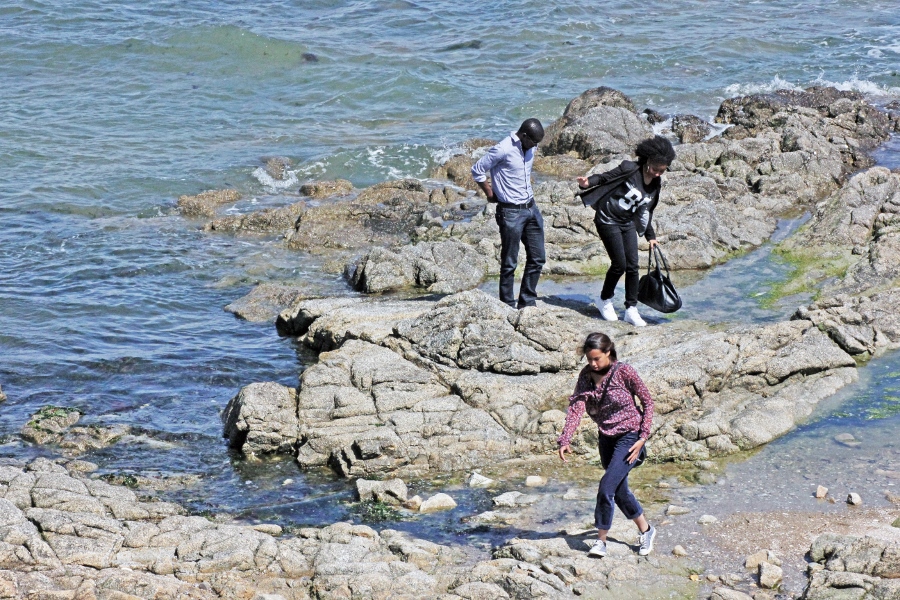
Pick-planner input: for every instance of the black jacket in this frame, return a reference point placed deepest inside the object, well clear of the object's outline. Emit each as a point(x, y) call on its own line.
point(601, 187)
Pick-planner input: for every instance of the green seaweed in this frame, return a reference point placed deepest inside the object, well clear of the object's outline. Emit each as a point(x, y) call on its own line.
point(808, 269)
point(374, 511)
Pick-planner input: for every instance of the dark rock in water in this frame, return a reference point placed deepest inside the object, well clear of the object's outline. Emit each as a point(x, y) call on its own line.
point(310, 57)
point(265, 221)
point(324, 189)
point(50, 423)
point(205, 203)
point(277, 166)
point(653, 117)
point(55, 425)
point(470, 45)
point(690, 129)
point(265, 301)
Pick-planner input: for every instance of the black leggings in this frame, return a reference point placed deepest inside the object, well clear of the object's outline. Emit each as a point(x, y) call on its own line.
point(621, 244)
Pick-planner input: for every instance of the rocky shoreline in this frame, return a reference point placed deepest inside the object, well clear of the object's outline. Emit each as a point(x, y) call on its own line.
point(425, 385)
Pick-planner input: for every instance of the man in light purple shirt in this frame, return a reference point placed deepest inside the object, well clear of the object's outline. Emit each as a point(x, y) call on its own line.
point(509, 164)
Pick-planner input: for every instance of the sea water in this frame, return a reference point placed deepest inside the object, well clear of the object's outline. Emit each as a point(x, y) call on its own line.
point(112, 302)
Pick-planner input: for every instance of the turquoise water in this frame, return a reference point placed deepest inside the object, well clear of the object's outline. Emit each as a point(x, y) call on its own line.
point(111, 302)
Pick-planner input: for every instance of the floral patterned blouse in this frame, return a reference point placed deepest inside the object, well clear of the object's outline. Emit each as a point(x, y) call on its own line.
point(618, 414)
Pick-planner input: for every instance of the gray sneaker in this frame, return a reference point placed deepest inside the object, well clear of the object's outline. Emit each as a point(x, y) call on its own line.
point(598, 550)
point(647, 541)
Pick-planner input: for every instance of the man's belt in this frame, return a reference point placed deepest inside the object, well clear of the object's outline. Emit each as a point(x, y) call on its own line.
point(528, 204)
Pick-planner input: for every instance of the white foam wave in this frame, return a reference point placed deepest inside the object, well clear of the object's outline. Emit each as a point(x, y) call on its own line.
point(270, 182)
point(854, 84)
point(746, 89)
point(408, 161)
point(864, 86)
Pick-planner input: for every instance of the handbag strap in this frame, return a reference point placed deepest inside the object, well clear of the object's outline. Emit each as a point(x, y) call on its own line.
point(660, 259)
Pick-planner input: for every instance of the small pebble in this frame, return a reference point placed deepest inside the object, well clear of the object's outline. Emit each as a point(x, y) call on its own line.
point(847, 440)
point(707, 520)
point(679, 550)
point(854, 499)
point(821, 492)
point(287, 481)
point(673, 510)
point(535, 481)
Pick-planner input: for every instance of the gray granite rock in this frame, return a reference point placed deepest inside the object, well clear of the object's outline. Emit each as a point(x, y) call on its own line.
point(265, 302)
point(438, 267)
point(855, 567)
point(262, 419)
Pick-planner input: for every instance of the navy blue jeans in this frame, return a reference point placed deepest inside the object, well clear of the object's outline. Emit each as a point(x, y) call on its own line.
point(621, 245)
point(525, 225)
point(613, 489)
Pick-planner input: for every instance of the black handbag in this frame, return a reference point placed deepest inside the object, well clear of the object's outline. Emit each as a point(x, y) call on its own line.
point(655, 289)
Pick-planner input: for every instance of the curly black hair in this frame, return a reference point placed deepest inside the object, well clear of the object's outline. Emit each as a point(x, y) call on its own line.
point(656, 150)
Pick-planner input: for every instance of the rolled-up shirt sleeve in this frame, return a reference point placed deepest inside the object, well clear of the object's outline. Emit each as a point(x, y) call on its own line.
point(484, 164)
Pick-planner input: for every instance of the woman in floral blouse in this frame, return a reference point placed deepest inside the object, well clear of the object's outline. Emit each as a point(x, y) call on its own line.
point(623, 431)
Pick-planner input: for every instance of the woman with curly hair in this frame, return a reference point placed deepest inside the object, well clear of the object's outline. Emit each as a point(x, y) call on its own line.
point(624, 199)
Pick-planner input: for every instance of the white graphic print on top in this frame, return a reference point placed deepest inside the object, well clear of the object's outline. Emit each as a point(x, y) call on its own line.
point(633, 199)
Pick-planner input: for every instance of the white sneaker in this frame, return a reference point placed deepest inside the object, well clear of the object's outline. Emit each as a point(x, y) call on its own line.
point(598, 550)
point(632, 316)
point(647, 541)
point(608, 311)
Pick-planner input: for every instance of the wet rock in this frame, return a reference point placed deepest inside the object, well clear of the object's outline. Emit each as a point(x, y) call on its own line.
point(265, 302)
point(437, 503)
point(55, 425)
point(458, 168)
point(707, 520)
point(262, 419)
point(205, 204)
point(50, 423)
point(414, 503)
point(690, 129)
point(266, 221)
point(535, 481)
point(391, 491)
point(277, 166)
point(2, 395)
point(854, 499)
point(847, 439)
point(770, 576)
point(325, 189)
point(439, 267)
point(821, 492)
point(477, 480)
